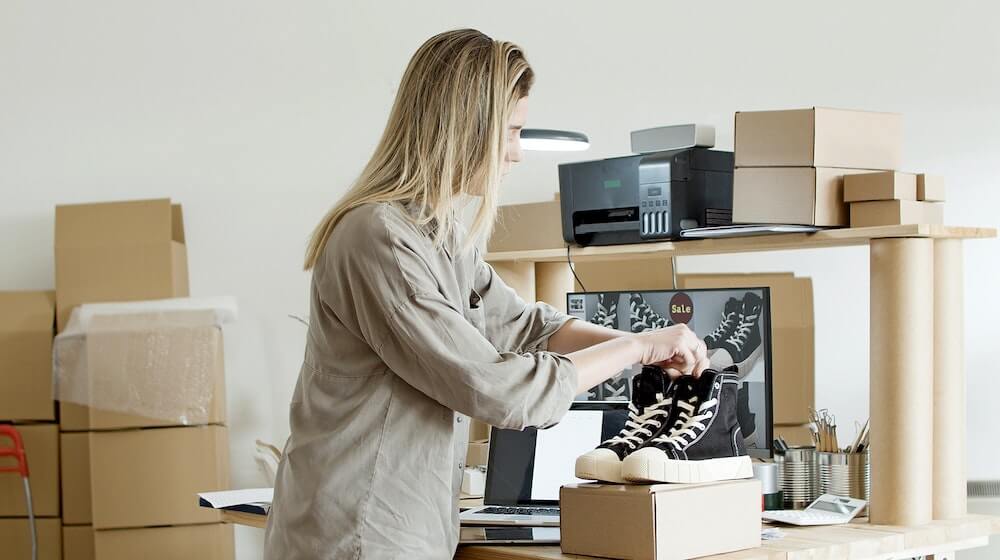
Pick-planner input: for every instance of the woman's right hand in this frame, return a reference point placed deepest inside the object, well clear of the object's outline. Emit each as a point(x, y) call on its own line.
point(676, 349)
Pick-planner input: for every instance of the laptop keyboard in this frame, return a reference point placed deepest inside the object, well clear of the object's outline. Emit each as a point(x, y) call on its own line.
point(505, 510)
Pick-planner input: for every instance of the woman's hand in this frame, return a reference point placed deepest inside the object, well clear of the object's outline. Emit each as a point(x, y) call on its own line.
point(676, 349)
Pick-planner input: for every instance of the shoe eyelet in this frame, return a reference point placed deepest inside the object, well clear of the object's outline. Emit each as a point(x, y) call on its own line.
point(718, 385)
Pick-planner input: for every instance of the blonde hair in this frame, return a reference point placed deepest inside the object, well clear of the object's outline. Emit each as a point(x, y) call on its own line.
point(445, 136)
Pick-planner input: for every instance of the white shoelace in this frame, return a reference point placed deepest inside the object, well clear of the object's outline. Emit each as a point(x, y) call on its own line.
point(678, 438)
point(739, 336)
point(727, 320)
point(640, 424)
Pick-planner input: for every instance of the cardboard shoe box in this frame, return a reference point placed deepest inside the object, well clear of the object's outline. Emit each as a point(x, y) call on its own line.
point(41, 444)
point(896, 212)
point(819, 137)
point(118, 251)
point(110, 357)
point(522, 227)
point(15, 539)
point(793, 358)
point(811, 196)
point(661, 522)
point(141, 478)
point(26, 321)
point(882, 185)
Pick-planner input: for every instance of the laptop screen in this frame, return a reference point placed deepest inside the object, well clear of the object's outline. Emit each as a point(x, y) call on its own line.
point(528, 467)
point(735, 324)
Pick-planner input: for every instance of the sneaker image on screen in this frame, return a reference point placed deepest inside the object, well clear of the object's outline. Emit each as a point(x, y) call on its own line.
point(742, 347)
point(714, 340)
point(606, 314)
point(642, 317)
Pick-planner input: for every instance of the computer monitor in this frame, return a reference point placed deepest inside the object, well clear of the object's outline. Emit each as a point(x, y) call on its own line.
point(527, 467)
point(735, 324)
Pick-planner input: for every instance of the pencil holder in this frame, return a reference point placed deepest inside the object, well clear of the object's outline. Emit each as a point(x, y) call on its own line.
point(799, 476)
point(845, 474)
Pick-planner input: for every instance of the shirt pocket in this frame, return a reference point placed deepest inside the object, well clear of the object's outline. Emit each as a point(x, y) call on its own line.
point(474, 312)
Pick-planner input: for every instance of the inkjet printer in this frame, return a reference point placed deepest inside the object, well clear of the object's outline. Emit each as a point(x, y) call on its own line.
point(645, 197)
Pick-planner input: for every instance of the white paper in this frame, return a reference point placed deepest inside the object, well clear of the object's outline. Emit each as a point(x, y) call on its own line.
point(230, 498)
point(557, 448)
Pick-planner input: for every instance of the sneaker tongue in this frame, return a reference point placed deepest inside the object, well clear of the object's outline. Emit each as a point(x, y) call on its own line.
point(704, 384)
point(652, 381)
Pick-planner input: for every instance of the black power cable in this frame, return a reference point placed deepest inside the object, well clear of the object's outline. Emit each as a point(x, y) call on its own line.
point(573, 270)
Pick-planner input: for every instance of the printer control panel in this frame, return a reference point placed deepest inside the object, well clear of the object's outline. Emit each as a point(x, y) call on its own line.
point(654, 210)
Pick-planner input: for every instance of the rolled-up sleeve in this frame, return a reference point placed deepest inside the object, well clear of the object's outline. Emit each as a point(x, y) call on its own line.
point(432, 347)
point(511, 323)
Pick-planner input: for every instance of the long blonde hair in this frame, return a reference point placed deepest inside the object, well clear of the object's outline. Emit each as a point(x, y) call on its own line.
point(445, 137)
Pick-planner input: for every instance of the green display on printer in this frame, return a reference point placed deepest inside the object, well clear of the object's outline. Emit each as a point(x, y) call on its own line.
point(612, 183)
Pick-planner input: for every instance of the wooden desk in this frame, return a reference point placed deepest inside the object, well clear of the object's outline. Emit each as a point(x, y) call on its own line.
point(857, 541)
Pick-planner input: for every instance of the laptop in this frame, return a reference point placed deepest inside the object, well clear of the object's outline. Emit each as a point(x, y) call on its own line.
point(527, 468)
point(508, 535)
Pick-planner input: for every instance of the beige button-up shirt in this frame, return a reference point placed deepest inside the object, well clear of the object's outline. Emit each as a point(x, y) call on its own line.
point(405, 342)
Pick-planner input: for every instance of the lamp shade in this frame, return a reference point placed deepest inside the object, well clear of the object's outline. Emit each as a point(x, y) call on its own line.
point(541, 139)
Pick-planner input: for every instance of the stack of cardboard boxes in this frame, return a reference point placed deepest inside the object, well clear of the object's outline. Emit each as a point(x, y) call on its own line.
point(129, 482)
point(890, 197)
point(26, 323)
point(790, 165)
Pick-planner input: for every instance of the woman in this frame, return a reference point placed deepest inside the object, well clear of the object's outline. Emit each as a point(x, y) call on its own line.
point(411, 332)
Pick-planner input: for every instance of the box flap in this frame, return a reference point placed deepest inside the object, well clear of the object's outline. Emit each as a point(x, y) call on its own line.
point(177, 223)
point(27, 311)
point(116, 223)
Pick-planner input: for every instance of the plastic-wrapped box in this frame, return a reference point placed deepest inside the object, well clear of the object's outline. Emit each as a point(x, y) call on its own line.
point(143, 364)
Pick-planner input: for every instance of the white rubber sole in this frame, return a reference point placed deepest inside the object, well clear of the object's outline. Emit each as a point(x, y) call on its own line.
point(720, 360)
point(652, 465)
point(600, 464)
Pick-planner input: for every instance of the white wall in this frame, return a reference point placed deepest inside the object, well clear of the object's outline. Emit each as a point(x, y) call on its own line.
point(256, 115)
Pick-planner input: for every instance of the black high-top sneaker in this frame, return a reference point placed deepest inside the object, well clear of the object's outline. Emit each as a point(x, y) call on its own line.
point(651, 408)
point(607, 311)
point(642, 317)
point(707, 447)
point(725, 328)
point(743, 345)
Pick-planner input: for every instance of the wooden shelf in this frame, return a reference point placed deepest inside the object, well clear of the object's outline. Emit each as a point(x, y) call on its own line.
point(826, 238)
point(855, 541)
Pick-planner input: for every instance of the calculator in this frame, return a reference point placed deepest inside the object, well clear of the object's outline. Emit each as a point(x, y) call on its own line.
point(825, 510)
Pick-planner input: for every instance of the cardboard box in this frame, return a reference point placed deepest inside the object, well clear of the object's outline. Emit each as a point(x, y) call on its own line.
point(881, 185)
point(795, 435)
point(118, 251)
point(895, 212)
point(142, 478)
point(793, 358)
point(26, 321)
point(112, 354)
point(930, 188)
point(15, 539)
point(74, 475)
point(522, 227)
point(478, 453)
point(819, 137)
point(210, 542)
point(78, 542)
point(663, 521)
point(791, 195)
point(625, 275)
point(41, 444)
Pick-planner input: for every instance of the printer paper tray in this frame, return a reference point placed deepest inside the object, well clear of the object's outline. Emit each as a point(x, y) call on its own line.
point(607, 226)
